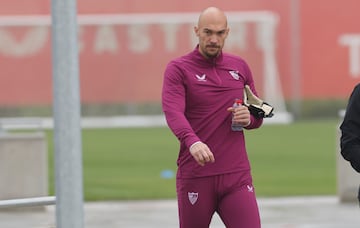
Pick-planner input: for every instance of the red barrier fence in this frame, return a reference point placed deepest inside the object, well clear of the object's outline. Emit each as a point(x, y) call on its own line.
point(124, 52)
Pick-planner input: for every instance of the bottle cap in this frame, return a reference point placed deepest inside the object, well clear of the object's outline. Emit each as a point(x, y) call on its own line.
point(238, 101)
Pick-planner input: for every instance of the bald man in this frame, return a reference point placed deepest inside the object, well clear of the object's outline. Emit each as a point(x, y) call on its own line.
point(199, 89)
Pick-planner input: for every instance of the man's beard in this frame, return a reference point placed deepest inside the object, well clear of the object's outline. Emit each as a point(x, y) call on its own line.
point(212, 54)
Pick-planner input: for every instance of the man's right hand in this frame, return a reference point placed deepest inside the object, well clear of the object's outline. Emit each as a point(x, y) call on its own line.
point(201, 153)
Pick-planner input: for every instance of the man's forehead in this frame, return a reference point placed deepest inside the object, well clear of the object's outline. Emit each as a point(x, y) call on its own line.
point(214, 28)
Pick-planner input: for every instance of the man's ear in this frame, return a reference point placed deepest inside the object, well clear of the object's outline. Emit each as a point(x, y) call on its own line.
point(227, 31)
point(196, 30)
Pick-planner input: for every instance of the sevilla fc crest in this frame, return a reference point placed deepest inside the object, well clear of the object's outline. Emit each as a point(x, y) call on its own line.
point(235, 74)
point(193, 197)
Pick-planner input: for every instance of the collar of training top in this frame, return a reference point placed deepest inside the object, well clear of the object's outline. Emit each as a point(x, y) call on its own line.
point(211, 61)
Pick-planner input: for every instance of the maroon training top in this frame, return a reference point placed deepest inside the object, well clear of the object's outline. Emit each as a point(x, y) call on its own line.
point(195, 97)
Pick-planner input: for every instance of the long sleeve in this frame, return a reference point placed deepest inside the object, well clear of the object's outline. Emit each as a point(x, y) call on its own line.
point(255, 123)
point(173, 103)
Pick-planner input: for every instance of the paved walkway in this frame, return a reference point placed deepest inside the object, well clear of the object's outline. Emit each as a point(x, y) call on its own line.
point(298, 212)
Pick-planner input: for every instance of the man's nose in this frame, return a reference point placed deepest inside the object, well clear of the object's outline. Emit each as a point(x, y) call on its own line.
point(214, 39)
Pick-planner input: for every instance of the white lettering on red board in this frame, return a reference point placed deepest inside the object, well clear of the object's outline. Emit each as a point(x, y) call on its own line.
point(138, 39)
point(30, 44)
point(353, 42)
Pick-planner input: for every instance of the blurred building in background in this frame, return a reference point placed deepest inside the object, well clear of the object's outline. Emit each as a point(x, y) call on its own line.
point(305, 55)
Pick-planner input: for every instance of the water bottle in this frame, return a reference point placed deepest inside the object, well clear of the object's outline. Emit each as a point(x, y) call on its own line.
point(236, 126)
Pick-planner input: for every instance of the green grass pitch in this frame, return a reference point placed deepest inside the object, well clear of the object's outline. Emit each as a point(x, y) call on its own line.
point(126, 163)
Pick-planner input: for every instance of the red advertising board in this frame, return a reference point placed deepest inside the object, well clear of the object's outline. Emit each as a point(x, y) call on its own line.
point(125, 45)
point(330, 48)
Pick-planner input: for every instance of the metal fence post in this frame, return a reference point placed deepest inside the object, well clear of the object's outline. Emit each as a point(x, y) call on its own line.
point(66, 107)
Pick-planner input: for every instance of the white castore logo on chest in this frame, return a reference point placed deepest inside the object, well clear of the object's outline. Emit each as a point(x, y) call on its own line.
point(201, 78)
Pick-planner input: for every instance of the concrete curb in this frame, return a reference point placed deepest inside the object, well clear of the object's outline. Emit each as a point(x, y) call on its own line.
point(282, 212)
